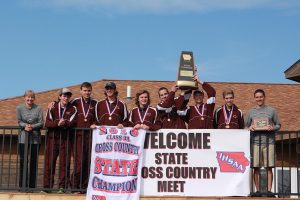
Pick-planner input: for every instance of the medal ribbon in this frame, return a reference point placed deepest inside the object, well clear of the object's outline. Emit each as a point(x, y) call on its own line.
point(59, 111)
point(108, 108)
point(142, 120)
point(227, 119)
point(202, 111)
point(85, 114)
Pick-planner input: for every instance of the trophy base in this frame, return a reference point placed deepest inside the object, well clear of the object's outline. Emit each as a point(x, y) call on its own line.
point(187, 85)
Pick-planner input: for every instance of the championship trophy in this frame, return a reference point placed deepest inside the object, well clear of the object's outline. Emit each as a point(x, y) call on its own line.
point(186, 71)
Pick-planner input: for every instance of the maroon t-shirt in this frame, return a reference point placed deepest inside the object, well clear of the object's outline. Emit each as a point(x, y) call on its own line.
point(111, 113)
point(167, 112)
point(201, 116)
point(54, 115)
point(147, 116)
point(85, 112)
point(236, 121)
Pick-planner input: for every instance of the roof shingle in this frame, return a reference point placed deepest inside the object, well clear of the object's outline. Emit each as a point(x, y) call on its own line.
point(283, 97)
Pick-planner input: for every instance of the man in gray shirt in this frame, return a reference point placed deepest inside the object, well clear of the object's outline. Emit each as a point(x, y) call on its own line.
point(263, 122)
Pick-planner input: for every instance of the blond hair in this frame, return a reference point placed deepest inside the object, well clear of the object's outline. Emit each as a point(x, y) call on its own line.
point(228, 91)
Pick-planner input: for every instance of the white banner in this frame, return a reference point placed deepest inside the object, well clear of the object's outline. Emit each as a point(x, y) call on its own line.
point(116, 164)
point(196, 162)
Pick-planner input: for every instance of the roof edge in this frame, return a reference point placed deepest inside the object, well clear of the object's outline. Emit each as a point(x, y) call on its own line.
point(204, 81)
point(298, 61)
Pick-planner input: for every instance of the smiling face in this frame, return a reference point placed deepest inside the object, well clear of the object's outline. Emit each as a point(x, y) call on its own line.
point(29, 100)
point(110, 92)
point(163, 94)
point(86, 92)
point(64, 99)
point(143, 99)
point(259, 98)
point(198, 97)
point(229, 100)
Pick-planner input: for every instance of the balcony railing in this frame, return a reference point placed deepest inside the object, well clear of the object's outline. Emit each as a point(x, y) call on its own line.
point(27, 173)
point(72, 175)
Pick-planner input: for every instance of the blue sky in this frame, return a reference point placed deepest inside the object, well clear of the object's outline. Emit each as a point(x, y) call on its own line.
point(51, 44)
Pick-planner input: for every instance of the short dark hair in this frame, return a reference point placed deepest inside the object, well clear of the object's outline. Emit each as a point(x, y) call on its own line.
point(139, 93)
point(162, 88)
point(86, 85)
point(260, 91)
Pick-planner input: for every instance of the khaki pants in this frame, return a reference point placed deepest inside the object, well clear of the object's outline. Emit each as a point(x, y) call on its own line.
point(263, 155)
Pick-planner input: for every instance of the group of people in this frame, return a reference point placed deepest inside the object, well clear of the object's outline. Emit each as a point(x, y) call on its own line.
point(172, 112)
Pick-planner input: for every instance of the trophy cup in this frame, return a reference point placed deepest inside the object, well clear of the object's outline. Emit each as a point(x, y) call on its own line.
point(186, 71)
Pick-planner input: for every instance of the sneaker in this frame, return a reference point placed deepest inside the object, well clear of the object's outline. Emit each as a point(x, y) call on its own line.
point(256, 194)
point(271, 194)
point(61, 191)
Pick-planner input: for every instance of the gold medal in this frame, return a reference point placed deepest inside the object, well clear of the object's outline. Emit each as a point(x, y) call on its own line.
point(85, 114)
point(226, 117)
point(202, 111)
point(110, 113)
point(142, 119)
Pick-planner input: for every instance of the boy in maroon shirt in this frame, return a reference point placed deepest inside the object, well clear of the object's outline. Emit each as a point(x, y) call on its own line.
point(144, 116)
point(111, 111)
point(59, 119)
point(82, 140)
point(229, 116)
point(200, 116)
point(169, 107)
